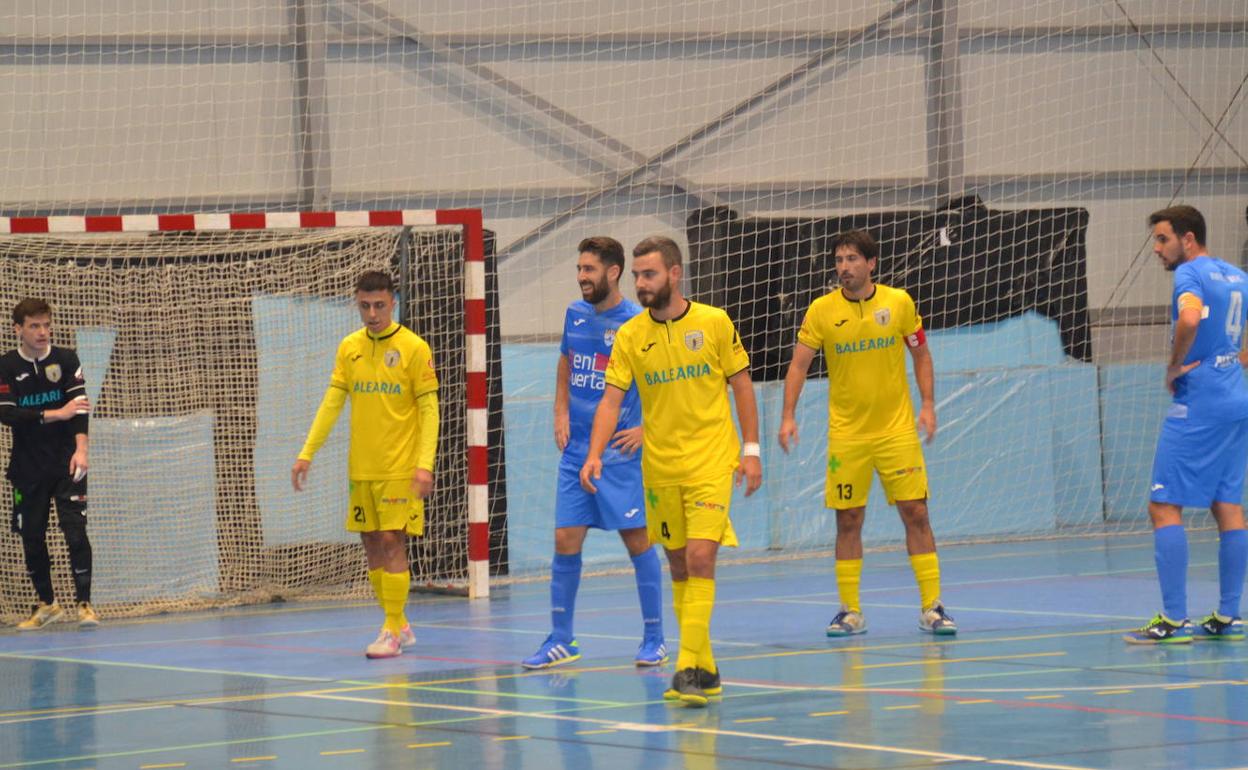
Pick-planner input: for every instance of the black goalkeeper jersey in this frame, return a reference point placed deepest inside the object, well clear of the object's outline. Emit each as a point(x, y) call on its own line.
point(41, 451)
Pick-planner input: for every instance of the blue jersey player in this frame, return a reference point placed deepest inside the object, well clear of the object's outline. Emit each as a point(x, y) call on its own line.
point(588, 334)
point(1203, 447)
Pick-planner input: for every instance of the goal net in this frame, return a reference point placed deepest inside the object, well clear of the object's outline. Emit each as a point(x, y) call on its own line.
point(206, 353)
point(1005, 153)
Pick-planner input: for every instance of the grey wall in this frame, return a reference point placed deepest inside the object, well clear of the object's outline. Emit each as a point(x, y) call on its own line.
point(537, 112)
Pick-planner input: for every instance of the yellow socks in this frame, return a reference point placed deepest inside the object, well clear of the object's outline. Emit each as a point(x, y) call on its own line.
point(394, 587)
point(848, 578)
point(695, 625)
point(927, 574)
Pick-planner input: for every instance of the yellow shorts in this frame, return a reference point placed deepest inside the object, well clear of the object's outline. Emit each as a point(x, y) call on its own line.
point(385, 505)
point(698, 510)
point(898, 459)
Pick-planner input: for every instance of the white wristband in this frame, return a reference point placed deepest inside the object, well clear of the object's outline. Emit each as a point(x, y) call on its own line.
point(751, 449)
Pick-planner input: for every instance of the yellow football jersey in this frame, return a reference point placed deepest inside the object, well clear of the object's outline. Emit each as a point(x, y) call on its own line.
point(864, 344)
point(681, 368)
point(384, 375)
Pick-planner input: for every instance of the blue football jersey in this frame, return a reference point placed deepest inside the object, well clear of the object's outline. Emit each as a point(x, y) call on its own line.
point(1214, 390)
point(587, 340)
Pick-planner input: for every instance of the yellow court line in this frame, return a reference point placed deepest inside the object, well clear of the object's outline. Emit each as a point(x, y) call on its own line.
point(827, 713)
point(641, 727)
point(266, 758)
point(340, 752)
point(428, 745)
point(973, 702)
point(902, 708)
point(940, 661)
point(1181, 686)
point(844, 650)
point(160, 766)
point(1113, 692)
point(513, 738)
point(353, 685)
point(595, 732)
point(751, 720)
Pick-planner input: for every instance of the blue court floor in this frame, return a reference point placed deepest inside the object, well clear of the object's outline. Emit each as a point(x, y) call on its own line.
point(1038, 677)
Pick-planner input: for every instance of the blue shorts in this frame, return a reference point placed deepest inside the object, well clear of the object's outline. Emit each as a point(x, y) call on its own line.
point(619, 504)
point(1198, 464)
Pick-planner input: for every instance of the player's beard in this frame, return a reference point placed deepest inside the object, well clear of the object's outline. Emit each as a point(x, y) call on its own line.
point(659, 300)
point(597, 292)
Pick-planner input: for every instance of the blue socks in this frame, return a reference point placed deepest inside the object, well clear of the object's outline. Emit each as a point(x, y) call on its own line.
point(1170, 553)
point(1232, 561)
point(649, 576)
point(565, 579)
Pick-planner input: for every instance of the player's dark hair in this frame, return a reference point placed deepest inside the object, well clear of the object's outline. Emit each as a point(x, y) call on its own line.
point(666, 247)
point(608, 250)
point(858, 240)
point(28, 308)
point(375, 280)
point(1182, 219)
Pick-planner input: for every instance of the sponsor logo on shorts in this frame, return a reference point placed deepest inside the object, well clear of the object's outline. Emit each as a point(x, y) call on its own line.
point(631, 513)
point(709, 505)
point(907, 471)
point(1156, 487)
point(394, 501)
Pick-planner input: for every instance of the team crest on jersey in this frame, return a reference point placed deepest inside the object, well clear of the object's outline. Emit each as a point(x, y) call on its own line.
point(53, 371)
point(608, 337)
point(392, 358)
point(883, 316)
point(694, 340)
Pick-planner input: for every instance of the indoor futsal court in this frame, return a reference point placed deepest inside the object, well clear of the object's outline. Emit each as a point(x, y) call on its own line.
point(1038, 677)
point(275, 243)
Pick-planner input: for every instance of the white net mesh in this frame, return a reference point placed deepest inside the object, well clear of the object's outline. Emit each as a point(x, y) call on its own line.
point(1006, 153)
point(206, 356)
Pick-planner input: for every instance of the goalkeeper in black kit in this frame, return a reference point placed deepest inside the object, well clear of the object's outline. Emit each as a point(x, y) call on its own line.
point(43, 400)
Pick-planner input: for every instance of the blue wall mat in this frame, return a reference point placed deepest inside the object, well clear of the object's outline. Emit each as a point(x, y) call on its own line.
point(153, 489)
point(296, 339)
point(1026, 340)
point(95, 348)
point(1133, 403)
point(1017, 449)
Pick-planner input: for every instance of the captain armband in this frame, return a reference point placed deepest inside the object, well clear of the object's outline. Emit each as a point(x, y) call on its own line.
point(1189, 301)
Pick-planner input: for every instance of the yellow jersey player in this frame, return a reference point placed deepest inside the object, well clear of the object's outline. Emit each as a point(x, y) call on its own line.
point(683, 356)
point(387, 372)
point(862, 328)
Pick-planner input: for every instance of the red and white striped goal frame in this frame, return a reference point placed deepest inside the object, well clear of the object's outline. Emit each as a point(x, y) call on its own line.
point(474, 315)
